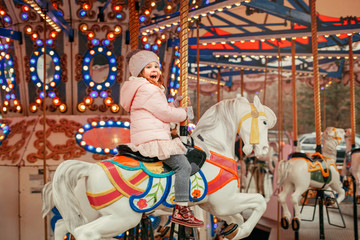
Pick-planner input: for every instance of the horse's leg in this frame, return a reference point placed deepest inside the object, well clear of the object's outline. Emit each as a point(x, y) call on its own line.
point(107, 226)
point(336, 185)
point(261, 181)
point(300, 188)
point(285, 220)
point(231, 207)
point(60, 230)
point(355, 171)
point(357, 181)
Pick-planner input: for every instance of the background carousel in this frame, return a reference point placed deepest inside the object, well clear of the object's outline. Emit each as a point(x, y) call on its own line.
point(62, 64)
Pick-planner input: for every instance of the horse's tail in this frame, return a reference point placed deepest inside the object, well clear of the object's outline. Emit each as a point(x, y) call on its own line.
point(47, 199)
point(283, 171)
point(64, 182)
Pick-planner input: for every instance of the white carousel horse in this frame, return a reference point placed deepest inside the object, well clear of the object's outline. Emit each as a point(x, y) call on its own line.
point(134, 189)
point(298, 174)
point(352, 162)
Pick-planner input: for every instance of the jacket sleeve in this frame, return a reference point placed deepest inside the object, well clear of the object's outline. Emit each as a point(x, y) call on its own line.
point(155, 102)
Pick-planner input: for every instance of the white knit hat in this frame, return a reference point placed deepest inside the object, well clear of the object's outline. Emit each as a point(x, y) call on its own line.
point(139, 60)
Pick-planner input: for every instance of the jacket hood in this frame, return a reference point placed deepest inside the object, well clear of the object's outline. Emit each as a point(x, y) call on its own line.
point(129, 89)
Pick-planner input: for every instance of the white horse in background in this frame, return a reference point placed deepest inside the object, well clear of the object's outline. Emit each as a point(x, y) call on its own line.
point(298, 174)
point(215, 186)
point(351, 164)
point(261, 172)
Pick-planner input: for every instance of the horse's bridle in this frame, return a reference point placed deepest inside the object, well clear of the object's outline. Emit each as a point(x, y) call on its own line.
point(254, 133)
point(336, 137)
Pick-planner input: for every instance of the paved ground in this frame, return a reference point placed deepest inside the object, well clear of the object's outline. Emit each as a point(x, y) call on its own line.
point(311, 230)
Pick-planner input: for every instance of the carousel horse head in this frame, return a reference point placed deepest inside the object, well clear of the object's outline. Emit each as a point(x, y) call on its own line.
point(250, 120)
point(337, 135)
point(254, 131)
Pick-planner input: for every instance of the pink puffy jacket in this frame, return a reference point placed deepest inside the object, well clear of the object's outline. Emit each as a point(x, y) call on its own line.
point(150, 113)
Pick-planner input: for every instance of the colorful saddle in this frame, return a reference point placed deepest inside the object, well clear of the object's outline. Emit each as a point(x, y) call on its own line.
point(317, 166)
point(195, 156)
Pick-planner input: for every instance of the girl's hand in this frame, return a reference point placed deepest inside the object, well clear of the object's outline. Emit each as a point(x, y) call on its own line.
point(177, 100)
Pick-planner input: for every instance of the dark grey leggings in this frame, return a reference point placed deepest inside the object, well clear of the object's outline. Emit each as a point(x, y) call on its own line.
point(182, 168)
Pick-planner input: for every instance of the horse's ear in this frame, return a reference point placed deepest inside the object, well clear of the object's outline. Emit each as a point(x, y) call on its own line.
point(270, 116)
point(327, 132)
point(258, 104)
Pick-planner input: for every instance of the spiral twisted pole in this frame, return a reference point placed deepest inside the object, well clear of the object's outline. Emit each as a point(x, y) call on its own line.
point(280, 105)
point(314, 43)
point(184, 39)
point(294, 100)
point(353, 128)
point(265, 80)
point(197, 70)
point(352, 92)
point(133, 25)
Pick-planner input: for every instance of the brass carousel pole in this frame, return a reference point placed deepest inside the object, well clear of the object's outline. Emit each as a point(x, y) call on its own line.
point(265, 80)
point(294, 105)
point(241, 143)
point(353, 129)
point(184, 12)
point(218, 84)
point(314, 43)
point(294, 99)
point(44, 118)
point(198, 71)
point(133, 25)
point(279, 126)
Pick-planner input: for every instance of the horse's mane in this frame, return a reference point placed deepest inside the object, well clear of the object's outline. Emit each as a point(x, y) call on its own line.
point(222, 112)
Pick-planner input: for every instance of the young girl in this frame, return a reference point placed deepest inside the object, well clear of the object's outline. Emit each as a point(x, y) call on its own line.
point(150, 116)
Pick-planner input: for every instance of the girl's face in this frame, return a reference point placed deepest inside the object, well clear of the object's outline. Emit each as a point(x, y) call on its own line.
point(152, 71)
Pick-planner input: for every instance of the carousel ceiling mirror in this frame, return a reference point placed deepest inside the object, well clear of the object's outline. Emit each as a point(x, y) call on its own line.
point(53, 68)
point(50, 69)
point(99, 68)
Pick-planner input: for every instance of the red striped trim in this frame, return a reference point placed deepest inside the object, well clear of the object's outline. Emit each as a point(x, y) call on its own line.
point(228, 172)
point(117, 179)
point(103, 199)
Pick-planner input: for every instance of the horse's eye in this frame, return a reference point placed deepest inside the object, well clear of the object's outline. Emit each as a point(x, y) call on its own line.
point(265, 123)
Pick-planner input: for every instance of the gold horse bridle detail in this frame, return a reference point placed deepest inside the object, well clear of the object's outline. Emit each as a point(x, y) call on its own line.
point(254, 133)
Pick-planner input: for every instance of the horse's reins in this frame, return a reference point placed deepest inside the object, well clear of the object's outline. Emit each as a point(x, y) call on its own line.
point(254, 133)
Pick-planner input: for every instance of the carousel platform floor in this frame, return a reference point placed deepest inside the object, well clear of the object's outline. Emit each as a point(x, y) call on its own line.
point(311, 230)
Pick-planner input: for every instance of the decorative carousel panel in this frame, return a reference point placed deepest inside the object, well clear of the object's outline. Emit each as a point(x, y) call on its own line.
point(99, 68)
point(50, 74)
point(8, 81)
point(46, 75)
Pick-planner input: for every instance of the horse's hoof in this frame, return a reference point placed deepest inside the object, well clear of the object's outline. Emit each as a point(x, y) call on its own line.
point(230, 231)
point(284, 223)
point(295, 224)
point(330, 201)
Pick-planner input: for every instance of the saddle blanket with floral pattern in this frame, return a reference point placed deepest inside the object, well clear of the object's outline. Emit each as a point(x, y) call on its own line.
point(159, 188)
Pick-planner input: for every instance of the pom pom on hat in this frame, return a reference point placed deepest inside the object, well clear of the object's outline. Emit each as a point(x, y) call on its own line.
point(139, 60)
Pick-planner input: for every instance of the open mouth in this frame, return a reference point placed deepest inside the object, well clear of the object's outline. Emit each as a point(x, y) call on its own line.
point(153, 76)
